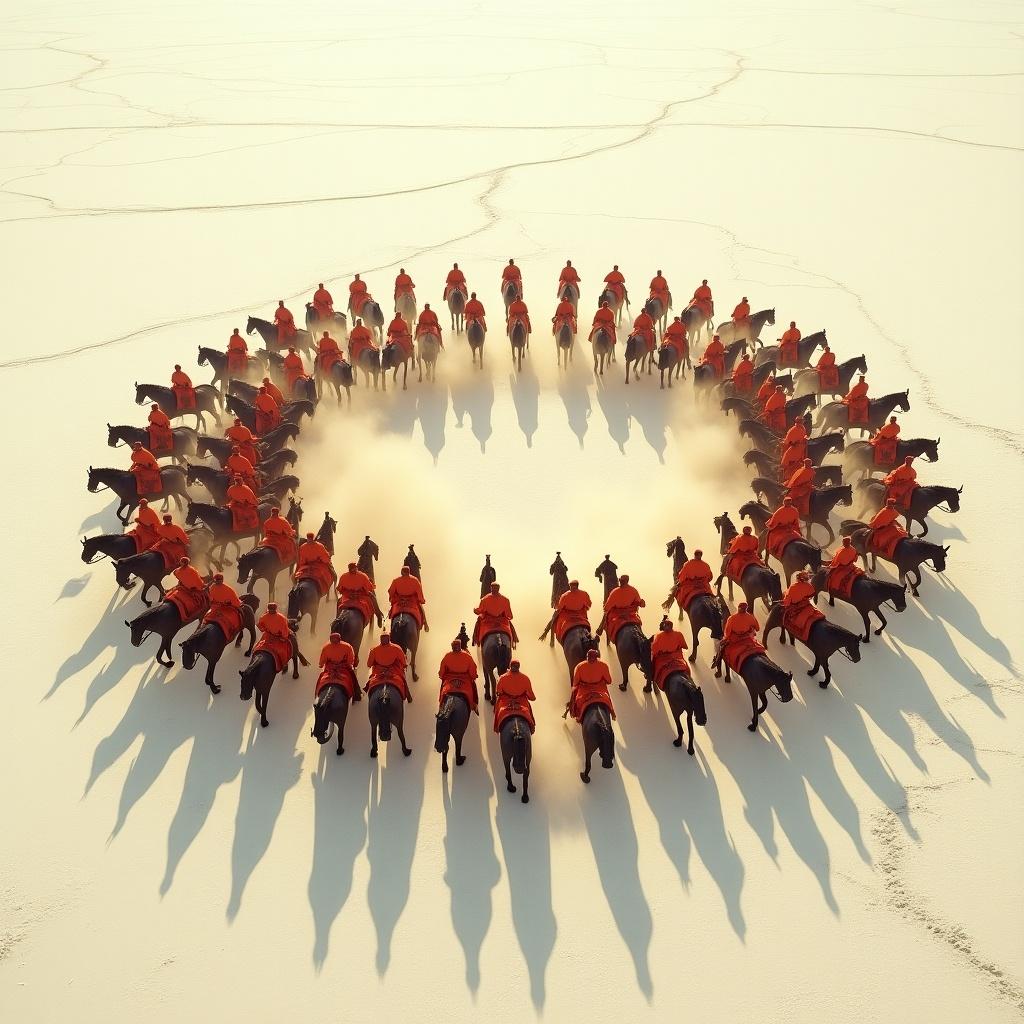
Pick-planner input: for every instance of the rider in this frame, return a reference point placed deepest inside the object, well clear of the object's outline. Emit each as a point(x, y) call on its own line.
point(511, 272)
point(475, 311)
point(714, 356)
point(323, 304)
point(328, 353)
point(568, 276)
point(743, 551)
point(268, 411)
point(294, 369)
point(189, 595)
point(517, 310)
point(901, 483)
point(494, 615)
point(693, 578)
point(643, 325)
point(856, 400)
point(590, 682)
point(244, 506)
point(765, 391)
point(455, 281)
point(338, 667)
point(570, 612)
point(172, 542)
point(703, 299)
point(659, 290)
point(238, 353)
point(225, 607)
point(621, 607)
point(181, 385)
point(146, 470)
point(843, 569)
point(884, 443)
point(604, 317)
point(565, 313)
point(775, 410)
point(458, 674)
point(741, 312)
point(314, 563)
point(738, 636)
point(789, 345)
point(428, 324)
point(276, 637)
point(782, 526)
point(147, 527)
point(743, 375)
point(279, 535)
point(356, 591)
point(800, 486)
point(616, 284)
point(161, 439)
point(828, 372)
point(667, 653)
point(239, 434)
point(403, 286)
point(387, 665)
point(675, 335)
point(406, 597)
point(357, 295)
point(886, 531)
point(274, 391)
point(360, 338)
point(238, 465)
point(398, 334)
point(794, 448)
point(798, 613)
point(512, 695)
point(285, 323)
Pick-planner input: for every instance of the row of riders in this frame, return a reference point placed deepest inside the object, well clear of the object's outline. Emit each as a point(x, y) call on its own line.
point(221, 615)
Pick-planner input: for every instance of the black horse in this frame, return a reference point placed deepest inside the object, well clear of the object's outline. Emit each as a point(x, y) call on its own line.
point(669, 363)
point(633, 648)
point(751, 330)
point(796, 555)
point(821, 502)
point(637, 356)
point(860, 455)
point(565, 345)
point(867, 595)
point(519, 339)
point(164, 621)
point(341, 376)
point(758, 581)
point(303, 390)
point(761, 674)
point(603, 343)
point(217, 360)
point(575, 644)
point(220, 520)
point(207, 401)
point(258, 678)
point(922, 501)
point(805, 349)
point(704, 378)
point(208, 641)
point(685, 697)
point(123, 483)
point(292, 412)
point(476, 335)
point(269, 444)
point(452, 719)
point(598, 735)
point(338, 322)
point(395, 357)
point(330, 711)
point(516, 752)
point(351, 625)
point(217, 482)
point(809, 379)
point(496, 655)
point(369, 362)
point(766, 465)
point(908, 557)
point(836, 416)
point(824, 639)
point(676, 550)
point(185, 440)
point(301, 341)
point(386, 712)
point(705, 611)
point(405, 631)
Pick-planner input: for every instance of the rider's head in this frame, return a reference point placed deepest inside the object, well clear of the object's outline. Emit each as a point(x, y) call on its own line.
point(803, 576)
point(455, 266)
point(511, 263)
point(495, 588)
point(665, 625)
point(742, 606)
point(847, 542)
point(335, 638)
point(472, 295)
point(385, 639)
point(891, 502)
point(787, 501)
point(272, 607)
point(136, 445)
point(456, 644)
point(310, 535)
point(218, 577)
point(623, 580)
point(792, 323)
point(909, 460)
point(320, 285)
point(592, 654)
point(574, 584)
point(808, 463)
point(143, 503)
point(359, 322)
point(236, 479)
point(513, 665)
point(406, 571)
point(275, 511)
point(168, 519)
point(351, 566)
point(747, 530)
point(698, 553)
point(177, 366)
point(183, 560)
point(705, 281)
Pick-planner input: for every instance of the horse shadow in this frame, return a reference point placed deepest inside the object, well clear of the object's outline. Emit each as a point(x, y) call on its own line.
point(572, 389)
point(613, 406)
point(525, 837)
point(475, 398)
point(270, 767)
point(650, 410)
point(400, 416)
point(525, 390)
point(73, 587)
point(432, 411)
point(472, 869)
point(104, 519)
point(684, 799)
point(393, 822)
point(340, 794)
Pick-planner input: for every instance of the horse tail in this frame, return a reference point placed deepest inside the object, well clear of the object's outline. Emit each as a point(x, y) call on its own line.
point(384, 715)
point(518, 748)
point(607, 741)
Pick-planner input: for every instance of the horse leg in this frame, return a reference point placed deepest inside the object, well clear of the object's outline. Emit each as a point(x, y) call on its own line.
point(753, 704)
point(460, 758)
point(813, 670)
point(262, 699)
point(689, 731)
point(401, 738)
point(211, 664)
point(588, 753)
point(828, 675)
point(627, 371)
point(509, 784)
point(373, 736)
point(444, 757)
point(678, 741)
point(866, 638)
point(165, 649)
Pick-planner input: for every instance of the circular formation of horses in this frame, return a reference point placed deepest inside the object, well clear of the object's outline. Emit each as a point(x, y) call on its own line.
point(795, 403)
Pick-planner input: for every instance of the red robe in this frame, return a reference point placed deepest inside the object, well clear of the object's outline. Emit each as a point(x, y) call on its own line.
point(799, 615)
point(572, 609)
point(338, 668)
point(279, 535)
point(513, 694)
point(161, 438)
point(667, 656)
point(693, 578)
point(743, 551)
point(314, 564)
point(354, 590)
point(843, 571)
point(590, 682)
point(387, 668)
point(783, 526)
point(739, 639)
point(406, 597)
point(276, 638)
point(458, 674)
point(622, 608)
point(225, 610)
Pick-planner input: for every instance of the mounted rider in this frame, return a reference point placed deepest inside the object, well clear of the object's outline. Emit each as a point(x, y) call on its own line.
point(146, 470)
point(843, 570)
point(616, 284)
point(458, 674)
point(244, 506)
point(886, 531)
point(667, 653)
point(238, 352)
point(285, 323)
point(603, 318)
point(274, 391)
point(403, 286)
point(789, 345)
point(356, 591)
point(741, 314)
point(783, 526)
point(323, 303)
point(568, 276)
point(565, 314)
point(268, 411)
point(798, 611)
point(794, 448)
point(294, 369)
point(857, 402)
point(512, 696)
point(659, 290)
point(279, 535)
point(510, 272)
point(885, 442)
point(694, 578)
point(643, 326)
point(475, 311)
point(314, 563)
point(901, 483)
point(428, 324)
point(455, 281)
point(743, 375)
point(358, 295)
point(744, 550)
point(225, 608)
point(189, 595)
point(775, 410)
point(494, 615)
point(675, 335)
point(239, 466)
point(765, 391)
point(360, 339)
point(739, 638)
point(621, 608)
point(172, 543)
point(828, 372)
point(518, 311)
point(276, 637)
point(406, 597)
point(714, 356)
point(161, 436)
point(184, 392)
point(703, 300)
point(328, 352)
point(387, 665)
point(244, 439)
point(800, 486)
point(338, 663)
point(147, 527)
point(571, 611)
point(590, 682)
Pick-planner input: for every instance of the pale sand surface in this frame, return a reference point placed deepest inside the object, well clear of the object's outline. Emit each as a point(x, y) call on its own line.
point(168, 168)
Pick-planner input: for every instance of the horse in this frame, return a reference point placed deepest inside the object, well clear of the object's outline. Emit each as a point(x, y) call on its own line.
point(338, 322)
point(217, 482)
point(301, 341)
point(148, 566)
point(518, 339)
point(516, 752)
point(304, 596)
point(559, 573)
point(373, 317)
point(405, 307)
point(705, 611)
point(658, 312)
point(405, 631)
point(330, 710)
point(565, 344)
point(164, 620)
point(107, 545)
point(797, 555)
point(457, 309)
point(922, 500)
point(510, 291)
point(761, 674)
point(123, 483)
point(291, 411)
point(217, 360)
point(684, 696)
point(575, 644)
point(207, 401)
point(185, 440)
point(804, 348)
point(676, 550)
point(824, 639)
point(908, 557)
point(757, 581)
point(452, 719)
point(670, 363)
point(341, 375)
point(749, 331)
point(429, 347)
point(496, 655)
point(693, 319)
point(603, 344)
point(704, 373)
point(615, 304)
point(208, 641)
point(351, 625)
point(274, 466)
point(258, 678)
point(820, 504)
point(269, 444)
point(836, 416)
point(395, 357)
point(637, 355)
point(633, 648)
point(596, 726)
point(608, 573)
point(369, 362)
point(867, 595)
point(386, 711)
point(765, 465)
point(809, 380)
point(476, 335)
point(860, 455)
point(220, 520)
point(571, 293)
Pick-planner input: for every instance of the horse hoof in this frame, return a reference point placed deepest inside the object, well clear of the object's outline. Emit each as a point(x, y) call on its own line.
point(459, 761)
point(689, 750)
point(752, 727)
point(264, 723)
point(525, 798)
point(214, 689)
point(824, 684)
point(648, 688)
point(692, 658)
point(811, 672)
point(373, 753)
point(511, 788)
point(406, 751)
point(444, 768)
point(677, 743)
point(585, 777)
point(339, 751)
point(622, 687)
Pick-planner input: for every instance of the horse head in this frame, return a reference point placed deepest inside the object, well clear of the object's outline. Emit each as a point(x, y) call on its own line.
point(774, 586)
point(201, 360)
point(138, 632)
point(814, 557)
point(939, 558)
point(294, 516)
point(94, 481)
point(140, 393)
point(771, 318)
point(930, 450)
point(189, 654)
point(852, 647)
point(783, 686)
point(89, 549)
point(250, 324)
point(724, 525)
point(904, 401)
point(700, 714)
point(899, 598)
point(192, 472)
point(112, 440)
point(190, 514)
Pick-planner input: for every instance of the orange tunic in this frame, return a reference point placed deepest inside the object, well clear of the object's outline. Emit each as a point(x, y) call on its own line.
point(161, 437)
point(741, 312)
point(494, 615)
point(675, 335)
point(703, 300)
point(743, 375)
point(268, 413)
point(743, 551)
point(843, 571)
point(359, 340)
point(828, 372)
point(314, 564)
point(789, 347)
point(428, 324)
point(354, 591)
point(568, 275)
point(621, 608)
point(323, 303)
point(885, 444)
point(692, 579)
point(279, 535)
point(643, 325)
point(513, 693)
point(783, 526)
point(338, 667)
point(739, 640)
point(184, 392)
point(147, 529)
point(243, 504)
point(518, 310)
point(667, 655)
point(455, 281)
point(276, 639)
point(225, 610)
point(285, 324)
point(475, 311)
point(189, 596)
point(458, 674)
point(799, 487)
point(659, 289)
point(901, 484)
point(241, 435)
point(775, 411)
point(590, 682)
point(616, 284)
point(510, 272)
point(406, 597)
point(714, 356)
point(294, 369)
point(856, 399)
point(403, 285)
point(147, 472)
point(565, 313)
point(239, 465)
point(172, 543)
point(571, 612)
point(387, 665)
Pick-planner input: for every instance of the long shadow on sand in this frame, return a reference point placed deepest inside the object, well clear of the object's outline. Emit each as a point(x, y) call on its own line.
point(432, 411)
point(474, 398)
point(573, 389)
point(525, 390)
